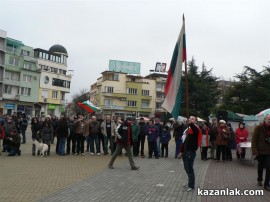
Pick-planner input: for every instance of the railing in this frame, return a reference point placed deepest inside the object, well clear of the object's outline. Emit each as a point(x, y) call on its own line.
point(2, 47)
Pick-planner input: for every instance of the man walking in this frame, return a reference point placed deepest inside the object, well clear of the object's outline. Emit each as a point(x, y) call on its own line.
point(124, 140)
point(261, 148)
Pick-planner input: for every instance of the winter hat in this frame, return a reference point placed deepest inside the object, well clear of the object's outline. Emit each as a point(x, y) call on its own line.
point(222, 121)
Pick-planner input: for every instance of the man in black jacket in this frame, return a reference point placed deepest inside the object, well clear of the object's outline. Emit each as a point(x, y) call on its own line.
point(124, 141)
point(188, 151)
point(142, 135)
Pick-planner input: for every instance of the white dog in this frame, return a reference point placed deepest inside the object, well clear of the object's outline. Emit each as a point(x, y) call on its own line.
point(42, 148)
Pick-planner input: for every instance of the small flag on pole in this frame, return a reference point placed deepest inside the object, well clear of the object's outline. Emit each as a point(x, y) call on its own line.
point(173, 86)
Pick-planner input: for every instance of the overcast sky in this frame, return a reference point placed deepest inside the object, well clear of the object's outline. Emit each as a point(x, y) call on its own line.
point(225, 34)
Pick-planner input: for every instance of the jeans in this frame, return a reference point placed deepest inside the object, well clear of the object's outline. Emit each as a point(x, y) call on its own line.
point(12, 151)
point(118, 151)
point(152, 146)
point(62, 145)
point(111, 141)
point(188, 160)
point(141, 143)
point(94, 139)
point(158, 146)
point(204, 153)
point(177, 146)
point(71, 138)
point(101, 141)
point(23, 136)
point(264, 161)
point(164, 146)
point(80, 143)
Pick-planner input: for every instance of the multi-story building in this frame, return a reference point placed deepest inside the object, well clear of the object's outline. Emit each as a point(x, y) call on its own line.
point(160, 79)
point(122, 94)
point(3, 36)
point(54, 79)
point(21, 78)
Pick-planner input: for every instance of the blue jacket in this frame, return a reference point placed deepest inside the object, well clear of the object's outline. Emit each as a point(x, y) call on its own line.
point(152, 133)
point(165, 137)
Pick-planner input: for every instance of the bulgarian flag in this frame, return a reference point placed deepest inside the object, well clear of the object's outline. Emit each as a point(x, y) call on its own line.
point(88, 106)
point(173, 86)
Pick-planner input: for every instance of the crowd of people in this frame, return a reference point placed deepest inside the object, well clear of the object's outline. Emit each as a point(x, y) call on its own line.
point(114, 135)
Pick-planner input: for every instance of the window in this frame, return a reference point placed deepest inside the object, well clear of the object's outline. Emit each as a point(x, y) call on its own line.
point(145, 92)
point(68, 84)
point(107, 102)
point(14, 61)
point(25, 91)
point(27, 66)
point(54, 94)
point(160, 95)
point(12, 76)
point(27, 78)
point(116, 77)
point(7, 75)
point(62, 95)
point(160, 86)
point(132, 103)
point(25, 53)
point(158, 106)
point(7, 89)
point(108, 89)
point(132, 91)
point(133, 79)
point(145, 104)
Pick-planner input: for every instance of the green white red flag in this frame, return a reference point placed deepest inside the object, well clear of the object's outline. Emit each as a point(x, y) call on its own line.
point(174, 79)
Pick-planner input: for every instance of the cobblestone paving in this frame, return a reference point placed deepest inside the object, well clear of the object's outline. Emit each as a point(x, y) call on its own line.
point(87, 178)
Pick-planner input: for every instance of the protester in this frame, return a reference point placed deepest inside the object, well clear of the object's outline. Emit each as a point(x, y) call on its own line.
point(8, 126)
point(160, 131)
point(2, 135)
point(62, 134)
point(164, 140)
point(261, 148)
point(142, 126)
point(23, 123)
point(241, 134)
point(178, 130)
point(231, 142)
point(191, 141)
point(205, 141)
point(152, 133)
point(135, 137)
point(47, 134)
point(94, 131)
point(13, 143)
point(35, 128)
point(107, 130)
point(221, 141)
point(82, 130)
point(213, 136)
point(72, 136)
point(124, 141)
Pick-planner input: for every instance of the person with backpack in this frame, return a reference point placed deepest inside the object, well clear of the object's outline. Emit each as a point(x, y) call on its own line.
point(191, 141)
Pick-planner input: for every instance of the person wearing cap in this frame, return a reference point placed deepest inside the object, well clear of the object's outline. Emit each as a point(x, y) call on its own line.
point(260, 146)
point(124, 141)
point(241, 134)
point(152, 133)
point(221, 140)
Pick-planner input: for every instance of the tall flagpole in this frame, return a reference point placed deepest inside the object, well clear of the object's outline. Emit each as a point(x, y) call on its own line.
point(186, 81)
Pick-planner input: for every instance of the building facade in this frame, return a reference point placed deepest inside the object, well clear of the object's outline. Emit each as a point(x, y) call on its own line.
point(3, 36)
point(125, 95)
point(54, 79)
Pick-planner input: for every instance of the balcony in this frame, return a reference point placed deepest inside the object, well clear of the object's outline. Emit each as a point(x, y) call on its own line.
point(62, 101)
point(2, 47)
point(10, 96)
point(146, 97)
point(112, 107)
point(159, 99)
point(117, 95)
point(12, 82)
point(160, 90)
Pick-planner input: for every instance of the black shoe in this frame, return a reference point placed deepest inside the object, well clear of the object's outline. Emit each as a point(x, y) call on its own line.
point(19, 153)
point(135, 168)
point(156, 157)
point(267, 188)
point(259, 183)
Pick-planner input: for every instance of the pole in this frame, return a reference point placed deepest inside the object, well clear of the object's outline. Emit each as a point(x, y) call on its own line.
point(186, 79)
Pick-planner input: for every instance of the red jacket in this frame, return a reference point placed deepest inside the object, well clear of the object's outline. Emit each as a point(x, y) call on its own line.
point(241, 135)
point(2, 135)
